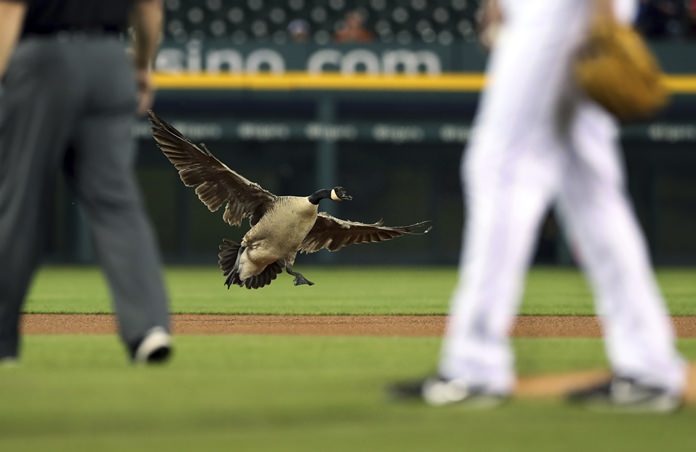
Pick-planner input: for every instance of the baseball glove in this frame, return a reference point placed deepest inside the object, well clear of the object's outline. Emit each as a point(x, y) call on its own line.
point(616, 69)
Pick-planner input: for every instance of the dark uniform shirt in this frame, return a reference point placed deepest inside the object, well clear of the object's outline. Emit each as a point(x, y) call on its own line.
point(45, 17)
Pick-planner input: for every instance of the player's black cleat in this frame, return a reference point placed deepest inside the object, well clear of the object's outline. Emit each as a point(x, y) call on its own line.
point(440, 391)
point(626, 394)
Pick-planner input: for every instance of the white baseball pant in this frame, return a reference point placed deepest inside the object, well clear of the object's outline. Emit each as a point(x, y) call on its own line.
point(538, 141)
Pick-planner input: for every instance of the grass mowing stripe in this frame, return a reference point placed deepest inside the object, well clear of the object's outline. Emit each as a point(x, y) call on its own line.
point(339, 290)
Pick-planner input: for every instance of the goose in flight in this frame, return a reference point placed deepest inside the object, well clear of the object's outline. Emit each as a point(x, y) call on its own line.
point(281, 226)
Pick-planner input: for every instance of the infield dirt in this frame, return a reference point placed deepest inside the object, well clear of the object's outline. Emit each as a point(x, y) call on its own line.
point(327, 325)
point(374, 325)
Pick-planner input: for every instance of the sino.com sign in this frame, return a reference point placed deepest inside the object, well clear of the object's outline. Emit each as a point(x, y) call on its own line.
point(196, 57)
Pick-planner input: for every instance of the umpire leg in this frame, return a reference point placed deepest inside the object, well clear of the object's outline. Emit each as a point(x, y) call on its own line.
point(106, 185)
point(36, 115)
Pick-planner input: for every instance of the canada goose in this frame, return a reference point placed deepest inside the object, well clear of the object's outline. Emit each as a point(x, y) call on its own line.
point(280, 225)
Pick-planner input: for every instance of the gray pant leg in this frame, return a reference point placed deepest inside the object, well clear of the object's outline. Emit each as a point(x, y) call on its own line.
point(36, 114)
point(107, 187)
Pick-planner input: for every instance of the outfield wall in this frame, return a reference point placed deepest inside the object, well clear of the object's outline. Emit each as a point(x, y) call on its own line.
point(394, 140)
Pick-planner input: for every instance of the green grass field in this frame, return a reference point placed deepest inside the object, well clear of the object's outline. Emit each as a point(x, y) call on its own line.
point(284, 393)
point(338, 291)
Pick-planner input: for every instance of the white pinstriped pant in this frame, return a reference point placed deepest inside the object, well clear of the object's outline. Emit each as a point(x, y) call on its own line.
point(538, 142)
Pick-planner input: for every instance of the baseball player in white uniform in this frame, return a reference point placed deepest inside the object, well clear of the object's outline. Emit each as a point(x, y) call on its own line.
point(537, 142)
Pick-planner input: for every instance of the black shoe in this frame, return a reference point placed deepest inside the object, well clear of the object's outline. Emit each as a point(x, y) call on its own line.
point(628, 395)
point(154, 347)
point(440, 391)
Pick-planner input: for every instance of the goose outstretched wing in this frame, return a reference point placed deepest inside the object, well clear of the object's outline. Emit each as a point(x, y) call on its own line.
point(214, 182)
point(333, 233)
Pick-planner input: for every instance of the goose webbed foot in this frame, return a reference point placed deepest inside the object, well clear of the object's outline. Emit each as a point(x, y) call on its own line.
point(299, 279)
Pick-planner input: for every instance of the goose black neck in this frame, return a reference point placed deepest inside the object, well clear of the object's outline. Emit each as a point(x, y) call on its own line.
point(318, 195)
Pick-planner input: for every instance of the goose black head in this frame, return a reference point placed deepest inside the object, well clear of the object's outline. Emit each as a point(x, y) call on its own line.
point(335, 194)
point(340, 194)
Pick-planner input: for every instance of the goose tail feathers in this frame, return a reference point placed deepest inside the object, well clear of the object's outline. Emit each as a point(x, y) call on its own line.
point(228, 258)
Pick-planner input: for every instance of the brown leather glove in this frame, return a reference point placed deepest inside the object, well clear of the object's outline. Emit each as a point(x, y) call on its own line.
point(617, 70)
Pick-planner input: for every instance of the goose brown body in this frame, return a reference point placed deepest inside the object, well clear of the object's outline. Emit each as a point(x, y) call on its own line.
point(278, 234)
point(281, 226)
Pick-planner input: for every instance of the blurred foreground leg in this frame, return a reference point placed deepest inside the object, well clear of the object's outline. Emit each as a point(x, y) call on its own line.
point(512, 172)
point(36, 115)
point(639, 334)
point(104, 176)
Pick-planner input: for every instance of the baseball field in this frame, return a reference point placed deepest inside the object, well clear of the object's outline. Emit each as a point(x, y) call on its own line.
point(304, 368)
